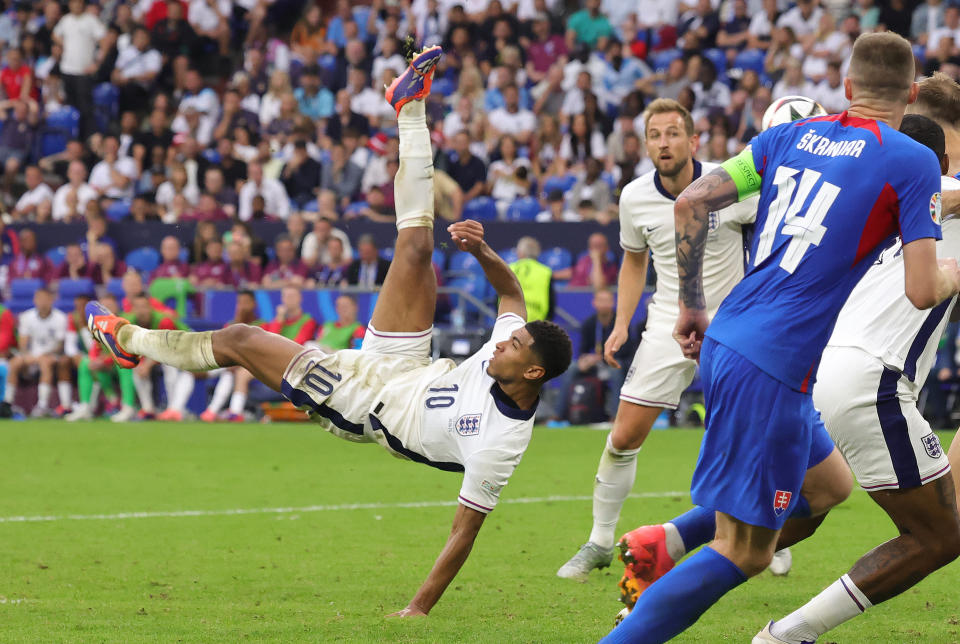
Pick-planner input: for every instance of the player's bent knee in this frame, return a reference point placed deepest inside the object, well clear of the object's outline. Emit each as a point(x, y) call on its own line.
point(623, 443)
point(630, 428)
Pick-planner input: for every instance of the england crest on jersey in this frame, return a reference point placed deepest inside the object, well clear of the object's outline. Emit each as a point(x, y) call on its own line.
point(468, 425)
point(713, 221)
point(932, 445)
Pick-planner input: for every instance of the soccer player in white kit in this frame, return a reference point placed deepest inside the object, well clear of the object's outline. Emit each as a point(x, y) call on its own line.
point(659, 373)
point(475, 418)
point(42, 331)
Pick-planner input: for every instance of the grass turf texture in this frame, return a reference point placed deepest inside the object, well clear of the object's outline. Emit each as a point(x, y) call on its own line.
point(331, 575)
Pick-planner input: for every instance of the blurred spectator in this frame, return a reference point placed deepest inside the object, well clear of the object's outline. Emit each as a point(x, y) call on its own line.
point(511, 119)
point(157, 134)
point(588, 25)
point(368, 270)
point(549, 94)
point(19, 130)
point(582, 142)
point(215, 186)
point(104, 264)
point(74, 264)
point(244, 273)
point(536, 279)
point(783, 48)
point(712, 96)
point(314, 248)
point(556, 211)
point(447, 197)
point(171, 265)
point(830, 92)
point(698, 27)
point(177, 185)
point(38, 198)
point(136, 68)
point(113, 178)
point(762, 25)
point(803, 19)
point(345, 117)
point(301, 175)
point(332, 271)
point(213, 272)
point(270, 102)
point(209, 21)
point(17, 78)
point(307, 40)
point(382, 148)
point(508, 177)
point(199, 109)
point(735, 32)
point(41, 333)
point(344, 332)
point(234, 115)
point(290, 320)
point(314, 100)
point(78, 33)
point(30, 263)
point(826, 44)
point(341, 176)
point(596, 268)
point(286, 269)
point(468, 171)
point(544, 50)
point(943, 42)
point(592, 187)
point(276, 203)
point(793, 82)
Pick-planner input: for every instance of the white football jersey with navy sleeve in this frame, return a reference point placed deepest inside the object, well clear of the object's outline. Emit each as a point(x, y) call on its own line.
point(46, 334)
point(879, 319)
point(457, 418)
point(646, 222)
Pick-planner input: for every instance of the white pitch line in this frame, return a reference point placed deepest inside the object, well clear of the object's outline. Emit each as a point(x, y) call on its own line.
point(309, 508)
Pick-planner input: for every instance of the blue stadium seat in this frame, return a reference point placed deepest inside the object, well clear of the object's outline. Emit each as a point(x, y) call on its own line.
point(557, 258)
point(719, 59)
point(60, 127)
point(921, 53)
point(211, 155)
point(143, 259)
point(475, 285)
point(523, 209)
point(662, 59)
point(57, 255)
point(609, 180)
point(21, 294)
point(563, 184)
point(387, 253)
point(70, 289)
point(106, 101)
point(464, 265)
point(443, 87)
point(311, 206)
point(115, 287)
point(509, 255)
point(750, 59)
point(481, 209)
point(118, 211)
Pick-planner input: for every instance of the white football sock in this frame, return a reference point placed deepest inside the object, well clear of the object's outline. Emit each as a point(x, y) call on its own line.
point(221, 393)
point(10, 394)
point(43, 395)
point(65, 394)
point(615, 476)
point(186, 350)
point(413, 185)
point(675, 546)
point(144, 387)
point(237, 402)
point(841, 601)
point(182, 390)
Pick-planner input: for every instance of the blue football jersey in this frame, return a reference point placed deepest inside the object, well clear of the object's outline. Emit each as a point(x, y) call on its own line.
point(835, 190)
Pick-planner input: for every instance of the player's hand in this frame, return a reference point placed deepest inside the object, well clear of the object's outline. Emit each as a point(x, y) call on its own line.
point(689, 331)
point(409, 611)
point(467, 235)
point(616, 340)
point(948, 266)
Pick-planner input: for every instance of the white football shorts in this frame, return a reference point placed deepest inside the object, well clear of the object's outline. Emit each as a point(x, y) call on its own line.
point(659, 373)
point(871, 413)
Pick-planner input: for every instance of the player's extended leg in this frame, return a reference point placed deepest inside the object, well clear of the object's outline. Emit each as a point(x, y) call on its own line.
point(615, 477)
point(953, 455)
point(929, 539)
point(408, 298)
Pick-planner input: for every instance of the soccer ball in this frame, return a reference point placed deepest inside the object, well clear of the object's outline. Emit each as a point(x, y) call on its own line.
point(790, 108)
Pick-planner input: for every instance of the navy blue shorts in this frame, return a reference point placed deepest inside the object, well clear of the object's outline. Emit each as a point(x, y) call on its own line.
point(761, 438)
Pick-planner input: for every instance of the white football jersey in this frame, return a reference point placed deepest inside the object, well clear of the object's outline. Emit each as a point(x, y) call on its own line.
point(46, 334)
point(457, 418)
point(646, 222)
point(879, 319)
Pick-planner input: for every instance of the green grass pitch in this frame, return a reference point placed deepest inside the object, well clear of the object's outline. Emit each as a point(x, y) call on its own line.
point(353, 544)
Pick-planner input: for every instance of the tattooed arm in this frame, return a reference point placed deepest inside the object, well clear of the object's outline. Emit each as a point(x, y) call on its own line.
point(691, 213)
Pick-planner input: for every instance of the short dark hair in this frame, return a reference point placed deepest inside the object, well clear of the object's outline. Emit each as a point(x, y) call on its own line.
point(247, 292)
point(552, 347)
point(926, 131)
point(882, 66)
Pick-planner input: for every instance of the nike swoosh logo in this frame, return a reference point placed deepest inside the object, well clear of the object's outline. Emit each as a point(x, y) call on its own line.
point(651, 229)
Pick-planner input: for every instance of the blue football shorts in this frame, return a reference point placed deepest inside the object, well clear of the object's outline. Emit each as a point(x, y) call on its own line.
point(761, 438)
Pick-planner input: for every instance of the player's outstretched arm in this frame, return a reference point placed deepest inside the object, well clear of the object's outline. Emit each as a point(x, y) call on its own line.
point(927, 280)
point(468, 236)
point(466, 525)
point(630, 285)
point(691, 216)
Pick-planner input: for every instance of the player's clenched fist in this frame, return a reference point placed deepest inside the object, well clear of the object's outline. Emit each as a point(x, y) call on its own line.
point(689, 331)
point(948, 266)
point(467, 235)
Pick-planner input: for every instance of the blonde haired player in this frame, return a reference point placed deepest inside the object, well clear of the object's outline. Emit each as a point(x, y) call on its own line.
point(475, 418)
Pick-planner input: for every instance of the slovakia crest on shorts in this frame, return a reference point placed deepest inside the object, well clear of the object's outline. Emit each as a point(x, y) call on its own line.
point(932, 445)
point(781, 501)
point(469, 425)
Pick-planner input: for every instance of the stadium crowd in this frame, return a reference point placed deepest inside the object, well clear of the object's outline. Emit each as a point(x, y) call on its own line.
point(219, 113)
